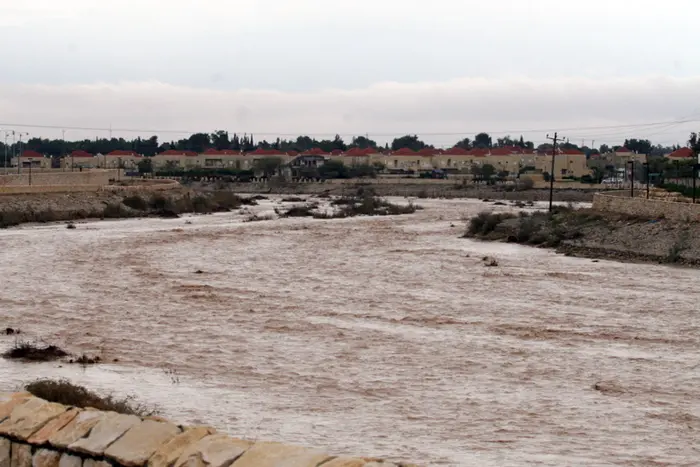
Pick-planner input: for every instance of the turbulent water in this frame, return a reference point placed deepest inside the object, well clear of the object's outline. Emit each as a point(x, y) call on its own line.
point(369, 336)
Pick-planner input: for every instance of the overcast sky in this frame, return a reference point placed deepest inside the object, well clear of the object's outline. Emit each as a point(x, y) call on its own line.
point(442, 68)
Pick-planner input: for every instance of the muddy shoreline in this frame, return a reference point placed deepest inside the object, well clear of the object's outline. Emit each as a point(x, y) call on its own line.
point(593, 234)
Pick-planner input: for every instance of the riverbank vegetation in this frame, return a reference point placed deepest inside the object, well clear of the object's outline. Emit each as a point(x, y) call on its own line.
point(362, 203)
point(592, 234)
point(64, 392)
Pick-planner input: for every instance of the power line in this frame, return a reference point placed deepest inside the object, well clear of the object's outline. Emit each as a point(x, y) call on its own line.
point(461, 133)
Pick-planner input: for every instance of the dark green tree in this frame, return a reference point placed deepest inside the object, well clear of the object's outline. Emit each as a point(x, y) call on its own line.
point(408, 141)
point(483, 141)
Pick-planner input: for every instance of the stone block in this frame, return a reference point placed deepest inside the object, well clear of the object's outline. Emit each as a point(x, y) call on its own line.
point(345, 462)
point(104, 433)
point(266, 454)
point(9, 401)
point(29, 416)
point(76, 428)
point(5, 452)
point(47, 431)
point(169, 452)
point(21, 455)
point(69, 460)
point(213, 451)
point(94, 463)
point(141, 442)
point(46, 458)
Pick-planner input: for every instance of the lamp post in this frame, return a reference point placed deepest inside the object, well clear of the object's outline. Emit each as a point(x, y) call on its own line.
point(31, 161)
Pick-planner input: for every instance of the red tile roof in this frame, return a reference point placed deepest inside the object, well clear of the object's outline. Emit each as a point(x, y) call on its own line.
point(571, 152)
point(404, 152)
point(292, 153)
point(478, 152)
point(175, 152)
point(356, 152)
point(427, 152)
point(337, 152)
point(682, 153)
point(623, 149)
point(265, 152)
point(81, 153)
point(32, 154)
point(119, 152)
point(314, 152)
point(456, 151)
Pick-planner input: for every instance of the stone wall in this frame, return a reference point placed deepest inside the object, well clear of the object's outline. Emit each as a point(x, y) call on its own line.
point(36, 433)
point(93, 177)
point(621, 203)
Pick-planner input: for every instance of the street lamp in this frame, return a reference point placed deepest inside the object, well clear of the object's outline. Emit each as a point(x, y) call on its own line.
point(31, 161)
point(646, 174)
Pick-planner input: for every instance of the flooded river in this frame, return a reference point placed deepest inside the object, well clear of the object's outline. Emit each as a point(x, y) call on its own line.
point(369, 336)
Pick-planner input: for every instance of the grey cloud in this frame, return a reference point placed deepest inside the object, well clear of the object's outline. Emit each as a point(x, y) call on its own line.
point(382, 110)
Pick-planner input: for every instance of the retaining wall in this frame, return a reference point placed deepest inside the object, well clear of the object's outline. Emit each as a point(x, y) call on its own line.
point(36, 433)
point(93, 177)
point(621, 203)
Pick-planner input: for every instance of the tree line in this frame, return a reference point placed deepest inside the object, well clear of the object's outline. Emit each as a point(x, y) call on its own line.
point(220, 140)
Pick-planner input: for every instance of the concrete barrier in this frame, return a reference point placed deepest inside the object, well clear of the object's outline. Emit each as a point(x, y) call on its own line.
point(36, 433)
point(622, 203)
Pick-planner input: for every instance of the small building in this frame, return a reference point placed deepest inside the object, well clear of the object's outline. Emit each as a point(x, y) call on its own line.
point(80, 159)
point(33, 159)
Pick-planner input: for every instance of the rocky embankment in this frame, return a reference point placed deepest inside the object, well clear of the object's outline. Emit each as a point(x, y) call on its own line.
point(54, 207)
point(413, 190)
point(592, 234)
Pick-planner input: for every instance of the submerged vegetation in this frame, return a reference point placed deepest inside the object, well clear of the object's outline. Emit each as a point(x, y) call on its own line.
point(64, 392)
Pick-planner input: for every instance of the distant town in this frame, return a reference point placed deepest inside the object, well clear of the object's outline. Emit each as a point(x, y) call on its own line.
point(483, 157)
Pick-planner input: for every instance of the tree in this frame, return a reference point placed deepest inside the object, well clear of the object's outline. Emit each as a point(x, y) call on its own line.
point(465, 143)
point(487, 171)
point(268, 165)
point(333, 169)
point(145, 165)
point(505, 141)
point(198, 142)
point(408, 141)
point(362, 142)
point(694, 143)
point(604, 149)
point(220, 140)
point(483, 141)
point(640, 146)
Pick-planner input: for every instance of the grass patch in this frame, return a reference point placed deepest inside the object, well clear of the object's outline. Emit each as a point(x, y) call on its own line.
point(64, 392)
point(34, 353)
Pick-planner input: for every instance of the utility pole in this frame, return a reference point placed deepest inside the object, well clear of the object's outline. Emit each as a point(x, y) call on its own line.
point(7, 133)
point(19, 154)
point(555, 139)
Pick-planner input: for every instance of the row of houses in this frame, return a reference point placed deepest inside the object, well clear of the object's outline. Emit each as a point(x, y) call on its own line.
point(569, 162)
point(510, 159)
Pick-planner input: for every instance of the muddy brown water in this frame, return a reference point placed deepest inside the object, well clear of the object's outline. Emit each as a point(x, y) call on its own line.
point(371, 336)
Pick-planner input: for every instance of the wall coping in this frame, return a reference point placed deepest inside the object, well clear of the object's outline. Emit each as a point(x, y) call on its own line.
point(32, 428)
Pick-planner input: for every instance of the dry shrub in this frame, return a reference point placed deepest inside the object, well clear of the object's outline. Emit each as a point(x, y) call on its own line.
point(64, 392)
